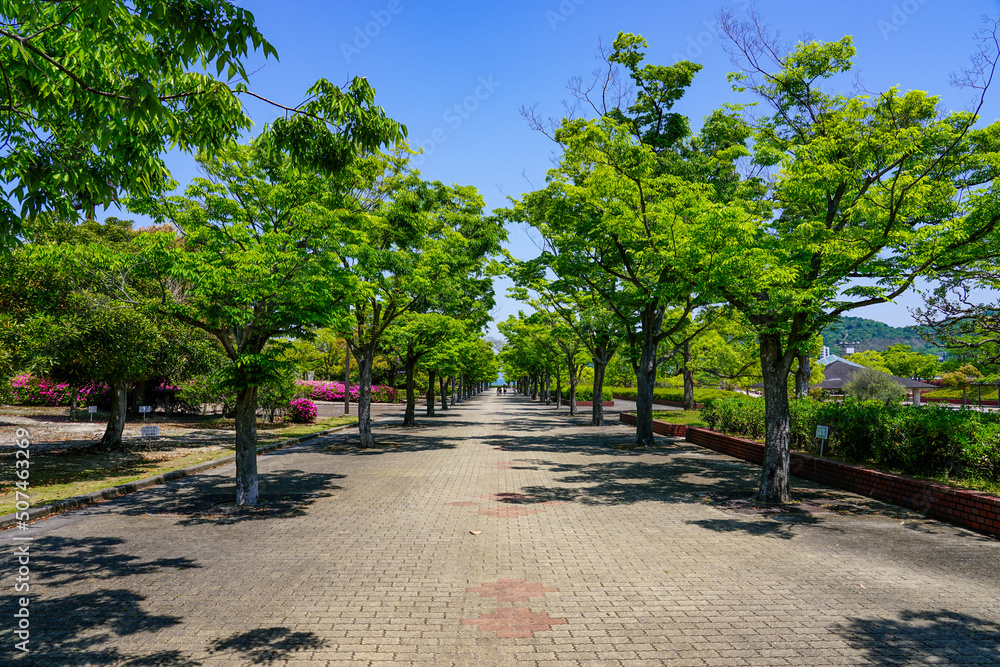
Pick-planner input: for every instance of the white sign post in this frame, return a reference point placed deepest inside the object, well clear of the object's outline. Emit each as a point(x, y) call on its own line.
point(91, 409)
point(144, 409)
point(151, 431)
point(823, 433)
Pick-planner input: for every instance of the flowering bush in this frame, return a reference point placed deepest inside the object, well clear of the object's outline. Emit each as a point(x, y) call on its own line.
point(27, 389)
point(302, 410)
point(334, 391)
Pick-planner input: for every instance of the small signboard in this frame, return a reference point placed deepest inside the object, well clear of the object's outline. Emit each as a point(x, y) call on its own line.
point(822, 432)
point(151, 431)
point(91, 409)
point(145, 408)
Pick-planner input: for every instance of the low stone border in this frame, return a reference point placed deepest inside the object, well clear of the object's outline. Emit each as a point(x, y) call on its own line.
point(669, 404)
point(588, 404)
point(970, 509)
point(75, 502)
point(662, 428)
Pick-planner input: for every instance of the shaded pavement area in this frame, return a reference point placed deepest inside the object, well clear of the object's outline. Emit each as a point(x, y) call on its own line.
point(499, 532)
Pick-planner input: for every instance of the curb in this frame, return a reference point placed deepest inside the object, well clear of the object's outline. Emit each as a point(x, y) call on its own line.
point(59, 506)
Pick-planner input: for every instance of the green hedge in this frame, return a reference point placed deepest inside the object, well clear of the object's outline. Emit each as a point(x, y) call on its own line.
point(701, 394)
point(586, 393)
point(928, 440)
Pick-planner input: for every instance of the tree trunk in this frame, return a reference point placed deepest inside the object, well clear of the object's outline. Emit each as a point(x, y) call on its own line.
point(573, 381)
point(430, 392)
point(558, 390)
point(74, 395)
point(347, 377)
point(777, 420)
point(802, 377)
point(112, 438)
point(409, 417)
point(548, 387)
point(365, 357)
point(597, 414)
point(688, 377)
point(246, 446)
point(443, 385)
point(645, 380)
point(452, 381)
point(460, 380)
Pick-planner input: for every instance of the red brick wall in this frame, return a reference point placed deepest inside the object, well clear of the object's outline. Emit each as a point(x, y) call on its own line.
point(662, 428)
point(656, 401)
point(978, 511)
point(589, 404)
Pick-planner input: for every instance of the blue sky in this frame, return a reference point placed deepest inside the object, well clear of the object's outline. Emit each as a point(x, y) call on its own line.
point(457, 73)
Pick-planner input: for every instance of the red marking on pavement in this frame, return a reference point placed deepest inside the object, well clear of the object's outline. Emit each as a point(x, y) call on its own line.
point(512, 590)
point(514, 622)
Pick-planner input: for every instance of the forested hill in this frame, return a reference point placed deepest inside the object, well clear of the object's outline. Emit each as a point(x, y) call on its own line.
point(871, 335)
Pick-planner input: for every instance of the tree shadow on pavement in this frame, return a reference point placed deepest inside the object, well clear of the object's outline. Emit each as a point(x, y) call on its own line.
point(939, 637)
point(631, 481)
point(783, 529)
point(89, 628)
point(263, 646)
point(211, 499)
point(60, 560)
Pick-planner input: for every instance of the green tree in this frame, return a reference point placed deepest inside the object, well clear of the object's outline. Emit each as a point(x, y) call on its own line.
point(66, 328)
point(94, 92)
point(410, 245)
point(882, 188)
point(253, 262)
point(874, 385)
point(870, 359)
point(620, 209)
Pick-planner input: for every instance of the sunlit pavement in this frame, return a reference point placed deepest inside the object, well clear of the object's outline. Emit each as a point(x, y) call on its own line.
point(498, 532)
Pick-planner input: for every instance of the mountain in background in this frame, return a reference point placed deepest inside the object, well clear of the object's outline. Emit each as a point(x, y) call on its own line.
point(873, 335)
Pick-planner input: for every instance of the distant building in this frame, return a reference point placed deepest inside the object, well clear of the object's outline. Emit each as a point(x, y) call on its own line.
point(837, 371)
point(825, 352)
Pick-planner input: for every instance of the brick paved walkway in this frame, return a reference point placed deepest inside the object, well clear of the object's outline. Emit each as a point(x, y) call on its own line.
point(499, 533)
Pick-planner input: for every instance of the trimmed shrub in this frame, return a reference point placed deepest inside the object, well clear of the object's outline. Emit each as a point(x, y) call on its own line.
point(334, 391)
point(27, 389)
point(302, 410)
point(701, 394)
point(928, 440)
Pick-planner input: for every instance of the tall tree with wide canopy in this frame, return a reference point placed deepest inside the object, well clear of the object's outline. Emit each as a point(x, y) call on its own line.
point(93, 92)
point(253, 260)
point(621, 207)
point(881, 188)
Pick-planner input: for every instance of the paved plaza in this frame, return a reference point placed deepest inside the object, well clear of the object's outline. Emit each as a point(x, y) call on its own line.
point(500, 532)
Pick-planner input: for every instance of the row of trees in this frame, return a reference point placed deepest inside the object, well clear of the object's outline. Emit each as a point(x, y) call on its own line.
point(319, 222)
point(786, 212)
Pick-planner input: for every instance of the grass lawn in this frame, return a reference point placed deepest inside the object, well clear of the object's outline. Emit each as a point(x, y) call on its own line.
point(58, 474)
point(687, 417)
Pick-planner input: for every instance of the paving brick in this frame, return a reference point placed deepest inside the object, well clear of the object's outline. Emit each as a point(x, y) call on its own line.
point(585, 553)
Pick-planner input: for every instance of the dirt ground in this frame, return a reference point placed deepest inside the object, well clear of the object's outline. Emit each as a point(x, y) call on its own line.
point(52, 429)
